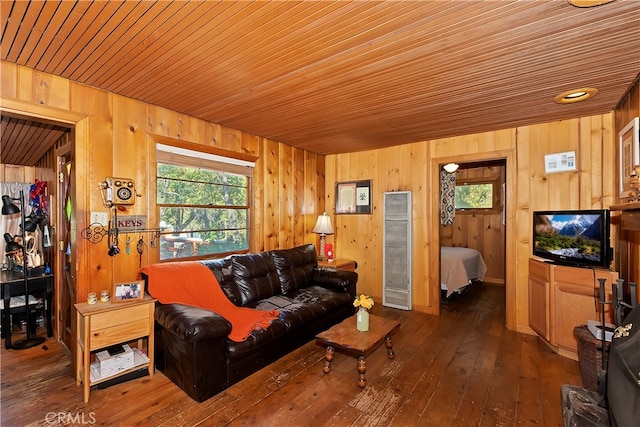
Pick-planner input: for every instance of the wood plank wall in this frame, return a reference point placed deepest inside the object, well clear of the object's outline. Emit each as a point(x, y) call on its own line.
point(414, 167)
point(293, 186)
point(118, 141)
point(483, 231)
point(628, 245)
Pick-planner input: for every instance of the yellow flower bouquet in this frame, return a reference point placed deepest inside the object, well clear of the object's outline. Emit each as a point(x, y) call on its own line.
point(364, 301)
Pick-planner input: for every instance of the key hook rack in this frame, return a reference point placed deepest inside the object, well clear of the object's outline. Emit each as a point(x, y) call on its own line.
point(116, 192)
point(97, 232)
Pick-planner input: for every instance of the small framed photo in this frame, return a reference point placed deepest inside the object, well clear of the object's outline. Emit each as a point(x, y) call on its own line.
point(130, 291)
point(353, 197)
point(629, 155)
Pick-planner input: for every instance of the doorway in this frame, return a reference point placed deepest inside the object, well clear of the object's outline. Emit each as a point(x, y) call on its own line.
point(76, 125)
point(510, 245)
point(473, 234)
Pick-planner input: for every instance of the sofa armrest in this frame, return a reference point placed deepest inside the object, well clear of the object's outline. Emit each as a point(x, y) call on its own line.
point(336, 279)
point(190, 348)
point(192, 323)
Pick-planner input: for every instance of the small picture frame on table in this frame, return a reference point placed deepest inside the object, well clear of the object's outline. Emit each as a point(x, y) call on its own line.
point(629, 155)
point(353, 197)
point(129, 291)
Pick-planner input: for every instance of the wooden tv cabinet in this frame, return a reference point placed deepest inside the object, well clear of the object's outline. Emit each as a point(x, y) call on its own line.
point(561, 298)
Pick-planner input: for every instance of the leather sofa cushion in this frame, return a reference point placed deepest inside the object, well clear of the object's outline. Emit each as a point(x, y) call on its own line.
point(330, 300)
point(256, 340)
point(295, 267)
point(293, 313)
point(223, 272)
point(305, 305)
point(297, 311)
point(255, 276)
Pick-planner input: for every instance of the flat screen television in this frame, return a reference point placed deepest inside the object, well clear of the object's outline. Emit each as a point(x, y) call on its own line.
point(577, 238)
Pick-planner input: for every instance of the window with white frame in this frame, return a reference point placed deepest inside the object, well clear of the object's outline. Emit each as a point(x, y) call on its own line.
point(204, 203)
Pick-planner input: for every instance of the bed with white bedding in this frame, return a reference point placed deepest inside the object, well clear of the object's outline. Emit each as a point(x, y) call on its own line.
point(459, 267)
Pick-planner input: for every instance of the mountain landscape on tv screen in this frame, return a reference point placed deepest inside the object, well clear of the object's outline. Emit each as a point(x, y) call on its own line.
point(571, 236)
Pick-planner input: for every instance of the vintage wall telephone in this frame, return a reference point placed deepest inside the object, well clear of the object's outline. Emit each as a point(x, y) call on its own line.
point(117, 191)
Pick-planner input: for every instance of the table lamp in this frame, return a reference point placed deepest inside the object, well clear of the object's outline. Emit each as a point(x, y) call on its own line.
point(323, 227)
point(9, 208)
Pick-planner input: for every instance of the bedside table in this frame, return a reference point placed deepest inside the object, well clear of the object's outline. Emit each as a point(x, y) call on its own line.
point(105, 324)
point(342, 264)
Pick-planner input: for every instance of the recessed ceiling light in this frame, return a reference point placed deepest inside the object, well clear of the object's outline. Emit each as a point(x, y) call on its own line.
point(588, 3)
point(575, 95)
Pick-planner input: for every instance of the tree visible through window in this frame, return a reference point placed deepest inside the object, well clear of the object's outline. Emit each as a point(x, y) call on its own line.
point(202, 211)
point(474, 196)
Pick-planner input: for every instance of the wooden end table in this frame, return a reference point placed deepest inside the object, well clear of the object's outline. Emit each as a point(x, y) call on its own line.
point(104, 324)
point(346, 339)
point(340, 264)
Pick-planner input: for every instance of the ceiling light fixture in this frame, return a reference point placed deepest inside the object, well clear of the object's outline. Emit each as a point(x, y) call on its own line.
point(451, 167)
point(588, 3)
point(575, 95)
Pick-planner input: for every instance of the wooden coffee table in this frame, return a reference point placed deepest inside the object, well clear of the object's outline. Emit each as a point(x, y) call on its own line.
point(346, 339)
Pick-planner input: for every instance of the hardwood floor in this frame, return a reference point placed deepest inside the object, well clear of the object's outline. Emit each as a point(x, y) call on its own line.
point(462, 368)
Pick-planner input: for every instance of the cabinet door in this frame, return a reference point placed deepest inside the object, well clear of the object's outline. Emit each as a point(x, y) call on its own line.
point(576, 302)
point(539, 297)
point(574, 305)
point(539, 306)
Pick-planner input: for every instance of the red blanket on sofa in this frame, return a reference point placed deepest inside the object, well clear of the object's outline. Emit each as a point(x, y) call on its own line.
point(191, 283)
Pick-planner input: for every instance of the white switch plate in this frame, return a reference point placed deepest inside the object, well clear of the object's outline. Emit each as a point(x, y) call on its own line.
point(99, 218)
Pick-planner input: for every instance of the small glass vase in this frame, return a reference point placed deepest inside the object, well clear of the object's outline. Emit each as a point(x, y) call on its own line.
point(362, 319)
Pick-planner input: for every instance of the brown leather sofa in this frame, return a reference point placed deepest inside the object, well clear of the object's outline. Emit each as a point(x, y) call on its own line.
point(192, 348)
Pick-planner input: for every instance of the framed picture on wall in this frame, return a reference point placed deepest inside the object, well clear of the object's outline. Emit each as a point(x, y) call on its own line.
point(629, 155)
point(353, 197)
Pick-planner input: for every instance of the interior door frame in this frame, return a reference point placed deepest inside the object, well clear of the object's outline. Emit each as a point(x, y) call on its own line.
point(509, 156)
point(80, 124)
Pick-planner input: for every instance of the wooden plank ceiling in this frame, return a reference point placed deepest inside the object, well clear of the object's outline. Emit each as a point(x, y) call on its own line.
point(338, 76)
point(24, 142)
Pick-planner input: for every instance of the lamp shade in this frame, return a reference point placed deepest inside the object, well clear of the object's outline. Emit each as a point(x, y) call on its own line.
point(12, 246)
point(323, 225)
point(8, 207)
point(29, 225)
